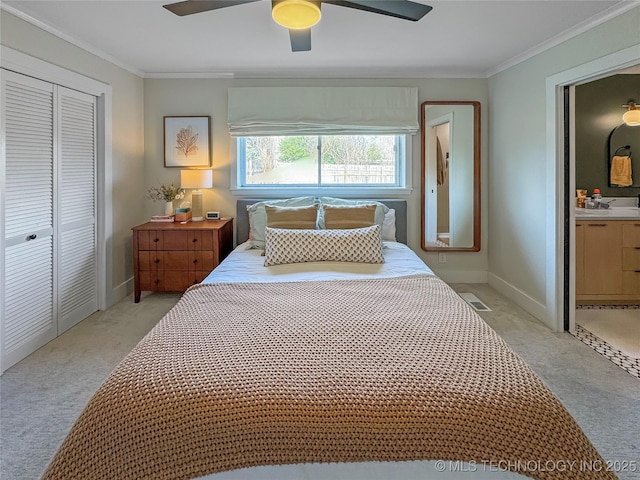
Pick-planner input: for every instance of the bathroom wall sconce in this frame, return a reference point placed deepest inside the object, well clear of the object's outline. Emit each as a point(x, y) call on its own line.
point(632, 116)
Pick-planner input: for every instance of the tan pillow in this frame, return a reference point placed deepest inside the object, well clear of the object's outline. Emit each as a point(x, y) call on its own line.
point(292, 217)
point(349, 216)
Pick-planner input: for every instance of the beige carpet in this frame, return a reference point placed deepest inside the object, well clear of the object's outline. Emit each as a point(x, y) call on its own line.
point(620, 328)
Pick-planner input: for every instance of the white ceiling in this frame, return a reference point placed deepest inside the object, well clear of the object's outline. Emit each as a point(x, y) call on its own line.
point(456, 39)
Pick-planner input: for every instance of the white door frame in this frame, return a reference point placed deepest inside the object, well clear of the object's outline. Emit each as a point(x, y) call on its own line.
point(19, 62)
point(590, 71)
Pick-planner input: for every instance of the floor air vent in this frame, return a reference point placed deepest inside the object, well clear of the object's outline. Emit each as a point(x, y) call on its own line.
point(475, 302)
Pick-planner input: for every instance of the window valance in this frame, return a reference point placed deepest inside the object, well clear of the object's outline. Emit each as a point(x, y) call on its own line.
point(260, 111)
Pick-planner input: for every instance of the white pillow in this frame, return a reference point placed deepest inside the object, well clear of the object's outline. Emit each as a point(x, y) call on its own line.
point(389, 226)
point(360, 245)
point(258, 217)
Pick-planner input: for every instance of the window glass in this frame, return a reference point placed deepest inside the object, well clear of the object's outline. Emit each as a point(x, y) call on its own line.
point(334, 160)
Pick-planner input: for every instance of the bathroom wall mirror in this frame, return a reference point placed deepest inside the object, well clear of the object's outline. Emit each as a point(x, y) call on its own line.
point(450, 179)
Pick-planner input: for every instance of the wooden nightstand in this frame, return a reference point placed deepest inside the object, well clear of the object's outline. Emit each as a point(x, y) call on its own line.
point(170, 257)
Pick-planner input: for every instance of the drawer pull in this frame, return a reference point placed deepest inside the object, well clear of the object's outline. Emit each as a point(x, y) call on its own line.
point(156, 240)
point(195, 260)
point(157, 281)
point(194, 240)
point(157, 260)
point(597, 224)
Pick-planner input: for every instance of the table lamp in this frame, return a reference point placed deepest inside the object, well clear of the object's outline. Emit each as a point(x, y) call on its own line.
point(196, 179)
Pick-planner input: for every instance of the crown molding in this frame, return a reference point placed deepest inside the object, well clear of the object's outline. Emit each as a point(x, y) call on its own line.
point(72, 40)
point(602, 17)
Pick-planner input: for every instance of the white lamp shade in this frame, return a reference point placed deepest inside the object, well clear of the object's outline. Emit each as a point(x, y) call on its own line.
point(196, 178)
point(632, 117)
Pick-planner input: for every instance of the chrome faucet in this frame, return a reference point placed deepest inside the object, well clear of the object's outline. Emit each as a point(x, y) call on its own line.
point(606, 205)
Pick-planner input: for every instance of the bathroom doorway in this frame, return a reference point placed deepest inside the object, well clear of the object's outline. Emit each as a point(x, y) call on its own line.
point(601, 307)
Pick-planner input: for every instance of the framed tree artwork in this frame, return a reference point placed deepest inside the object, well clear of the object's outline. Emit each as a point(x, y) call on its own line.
point(186, 141)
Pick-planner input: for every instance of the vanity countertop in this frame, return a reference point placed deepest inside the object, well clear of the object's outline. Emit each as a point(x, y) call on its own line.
point(612, 213)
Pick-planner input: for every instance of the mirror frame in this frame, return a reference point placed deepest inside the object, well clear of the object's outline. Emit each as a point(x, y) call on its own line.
point(476, 178)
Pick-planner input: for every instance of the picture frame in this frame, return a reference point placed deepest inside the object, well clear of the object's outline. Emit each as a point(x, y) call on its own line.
point(187, 141)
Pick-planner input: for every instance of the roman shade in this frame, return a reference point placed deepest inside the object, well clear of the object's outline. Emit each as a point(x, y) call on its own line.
point(263, 111)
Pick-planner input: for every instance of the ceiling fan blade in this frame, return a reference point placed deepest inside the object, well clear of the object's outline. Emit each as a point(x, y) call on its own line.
point(300, 40)
point(190, 7)
point(404, 9)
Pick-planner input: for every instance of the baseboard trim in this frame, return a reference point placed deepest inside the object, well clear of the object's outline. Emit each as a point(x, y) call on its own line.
point(122, 290)
point(462, 276)
point(513, 293)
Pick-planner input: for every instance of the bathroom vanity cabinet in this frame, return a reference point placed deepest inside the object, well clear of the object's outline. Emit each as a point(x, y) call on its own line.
point(608, 261)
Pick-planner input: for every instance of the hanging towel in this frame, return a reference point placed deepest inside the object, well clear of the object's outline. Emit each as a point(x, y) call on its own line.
point(441, 164)
point(621, 171)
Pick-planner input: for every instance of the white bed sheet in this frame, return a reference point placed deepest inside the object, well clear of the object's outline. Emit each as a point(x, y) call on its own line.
point(243, 265)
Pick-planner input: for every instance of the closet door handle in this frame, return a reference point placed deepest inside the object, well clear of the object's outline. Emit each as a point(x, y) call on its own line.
point(33, 236)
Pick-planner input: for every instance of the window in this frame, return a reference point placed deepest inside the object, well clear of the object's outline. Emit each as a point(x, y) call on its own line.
point(336, 161)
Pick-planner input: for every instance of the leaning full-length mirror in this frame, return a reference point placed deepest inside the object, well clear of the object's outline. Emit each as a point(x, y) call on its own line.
point(450, 176)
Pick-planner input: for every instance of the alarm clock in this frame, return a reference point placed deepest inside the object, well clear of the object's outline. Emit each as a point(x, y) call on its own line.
point(213, 215)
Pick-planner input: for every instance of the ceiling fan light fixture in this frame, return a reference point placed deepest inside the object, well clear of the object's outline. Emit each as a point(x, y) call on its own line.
point(296, 14)
point(632, 116)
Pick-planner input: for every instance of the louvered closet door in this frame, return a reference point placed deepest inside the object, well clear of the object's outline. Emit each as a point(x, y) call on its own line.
point(28, 307)
point(77, 272)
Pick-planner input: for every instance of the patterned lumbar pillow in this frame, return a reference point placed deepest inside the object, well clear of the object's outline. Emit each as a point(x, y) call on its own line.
point(361, 245)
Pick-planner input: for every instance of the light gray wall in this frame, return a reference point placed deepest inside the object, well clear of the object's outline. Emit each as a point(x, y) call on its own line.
point(517, 179)
point(128, 144)
point(209, 97)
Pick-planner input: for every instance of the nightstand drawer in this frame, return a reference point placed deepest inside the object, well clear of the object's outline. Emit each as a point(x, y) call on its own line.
point(175, 240)
point(150, 240)
point(201, 240)
point(152, 280)
point(201, 260)
point(177, 280)
point(149, 260)
point(176, 260)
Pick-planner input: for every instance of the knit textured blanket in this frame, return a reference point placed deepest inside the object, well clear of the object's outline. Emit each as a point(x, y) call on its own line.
point(240, 375)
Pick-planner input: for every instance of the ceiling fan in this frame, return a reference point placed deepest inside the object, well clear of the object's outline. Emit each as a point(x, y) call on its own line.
point(300, 15)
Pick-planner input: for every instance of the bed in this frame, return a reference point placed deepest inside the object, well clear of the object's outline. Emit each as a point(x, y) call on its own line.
point(324, 370)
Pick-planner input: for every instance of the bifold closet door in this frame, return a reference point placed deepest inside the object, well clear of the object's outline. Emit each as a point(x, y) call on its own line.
point(76, 229)
point(28, 306)
point(49, 281)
